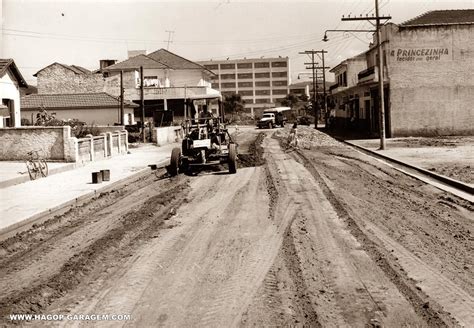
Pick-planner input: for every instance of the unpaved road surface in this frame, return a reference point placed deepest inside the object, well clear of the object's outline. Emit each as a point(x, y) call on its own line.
point(319, 237)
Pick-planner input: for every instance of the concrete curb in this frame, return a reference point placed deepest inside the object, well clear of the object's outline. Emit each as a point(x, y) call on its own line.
point(9, 231)
point(26, 177)
point(451, 182)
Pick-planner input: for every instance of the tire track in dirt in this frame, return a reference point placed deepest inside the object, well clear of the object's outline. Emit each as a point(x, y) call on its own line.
point(135, 225)
point(433, 315)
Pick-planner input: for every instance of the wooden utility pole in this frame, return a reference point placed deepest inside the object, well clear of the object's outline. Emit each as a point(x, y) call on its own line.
point(377, 19)
point(142, 105)
point(313, 66)
point(315, 97)
point(121, 98)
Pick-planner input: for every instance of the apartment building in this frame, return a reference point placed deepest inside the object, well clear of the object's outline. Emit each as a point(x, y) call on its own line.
point(262, 82)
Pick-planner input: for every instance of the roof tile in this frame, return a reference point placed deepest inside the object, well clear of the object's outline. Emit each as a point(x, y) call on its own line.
point(442, 17)
point(72, 101)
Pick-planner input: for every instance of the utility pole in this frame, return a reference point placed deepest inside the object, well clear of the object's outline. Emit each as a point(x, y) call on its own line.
point(170, 39)
point(377, 19)
point(121, 98)
point(142, 105)
point(314, 67)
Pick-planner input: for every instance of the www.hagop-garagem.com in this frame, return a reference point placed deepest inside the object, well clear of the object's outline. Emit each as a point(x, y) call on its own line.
point(71, 317)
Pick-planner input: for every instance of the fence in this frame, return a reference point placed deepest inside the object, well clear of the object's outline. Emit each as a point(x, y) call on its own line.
point(93, 148)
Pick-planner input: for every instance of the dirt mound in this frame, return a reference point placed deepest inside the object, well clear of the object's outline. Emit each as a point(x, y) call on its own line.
point(255, 155)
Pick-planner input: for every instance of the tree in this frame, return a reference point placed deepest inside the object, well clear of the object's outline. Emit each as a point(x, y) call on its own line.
point(233, 103)
point(290, 100)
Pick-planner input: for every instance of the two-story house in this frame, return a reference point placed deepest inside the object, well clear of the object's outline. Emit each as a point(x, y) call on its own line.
point(11, 81)
point(171, 82)
point(348, 99)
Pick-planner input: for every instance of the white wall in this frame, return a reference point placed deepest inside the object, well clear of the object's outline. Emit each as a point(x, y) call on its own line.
point(432, 95)
point(107, 116)
point(9, 90)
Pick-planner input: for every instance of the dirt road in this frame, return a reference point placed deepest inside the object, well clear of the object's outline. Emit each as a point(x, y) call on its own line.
point(319, 237)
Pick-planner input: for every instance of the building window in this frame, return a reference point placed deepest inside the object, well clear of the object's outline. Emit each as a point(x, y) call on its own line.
point(279, 74)
point(245, 75)
point(279, 83)
point(244, 65)
point(262, 75)
point(262, 92)
point(278, 64)
point(279, 92)
point(215, 85)
point(227, 66)
point(151, 81)
point(227, 76)
point(261, 65)
point(263, 101)
point(262, 83)
point(227, 93)
point(246, 93)
point(211, 67)
point(228, 85)
point(245, 84)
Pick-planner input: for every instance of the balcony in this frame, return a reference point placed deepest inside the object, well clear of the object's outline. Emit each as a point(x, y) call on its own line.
point(367, 75)
point(194, 92)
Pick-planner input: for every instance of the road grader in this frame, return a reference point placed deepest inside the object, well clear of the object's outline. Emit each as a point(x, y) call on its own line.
point(206, 142)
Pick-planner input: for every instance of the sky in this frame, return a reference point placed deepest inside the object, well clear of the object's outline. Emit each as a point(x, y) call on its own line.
point(81, 32)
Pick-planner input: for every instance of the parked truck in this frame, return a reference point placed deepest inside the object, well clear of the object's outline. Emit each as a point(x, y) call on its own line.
point(273, 117)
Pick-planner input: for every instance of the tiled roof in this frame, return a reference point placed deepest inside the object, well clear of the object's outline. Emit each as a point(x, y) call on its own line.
point(135, 63)
point(76, 69)
point(174, 61)
point(72, 101)
point(6, 64)
point(442, 17)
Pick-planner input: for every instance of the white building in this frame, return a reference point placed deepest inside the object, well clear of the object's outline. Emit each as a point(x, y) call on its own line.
point(10, 83)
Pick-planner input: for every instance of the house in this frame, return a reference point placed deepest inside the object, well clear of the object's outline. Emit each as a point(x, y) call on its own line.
point(428, 80)
point(300, 88)
point(63, 78)
point(91, 108)
point(171, 82)
point(347, 97)
point(11, 81)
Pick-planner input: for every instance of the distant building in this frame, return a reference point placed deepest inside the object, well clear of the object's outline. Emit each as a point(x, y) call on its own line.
point(261, 82)
point(91, 108)
point(428, 79)
point(301, 88)
point(11, 81)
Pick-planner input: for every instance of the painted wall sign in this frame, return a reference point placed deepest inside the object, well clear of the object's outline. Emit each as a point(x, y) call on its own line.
point(420, 54)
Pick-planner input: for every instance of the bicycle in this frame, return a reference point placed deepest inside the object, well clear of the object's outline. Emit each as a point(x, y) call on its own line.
point(36, 166)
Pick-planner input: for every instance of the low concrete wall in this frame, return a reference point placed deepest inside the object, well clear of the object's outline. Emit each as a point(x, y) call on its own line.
point(52, 143)
point(166, 135)
point(56, 144)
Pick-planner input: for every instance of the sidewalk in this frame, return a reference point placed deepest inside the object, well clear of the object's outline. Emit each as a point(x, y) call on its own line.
point(24, 202)
point(450, 156)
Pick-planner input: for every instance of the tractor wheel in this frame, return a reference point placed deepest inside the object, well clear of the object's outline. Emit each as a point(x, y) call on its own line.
point(174, 162)
point(232, 158)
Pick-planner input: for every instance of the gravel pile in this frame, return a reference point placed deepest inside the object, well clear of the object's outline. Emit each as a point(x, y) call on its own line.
point(309, 137)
